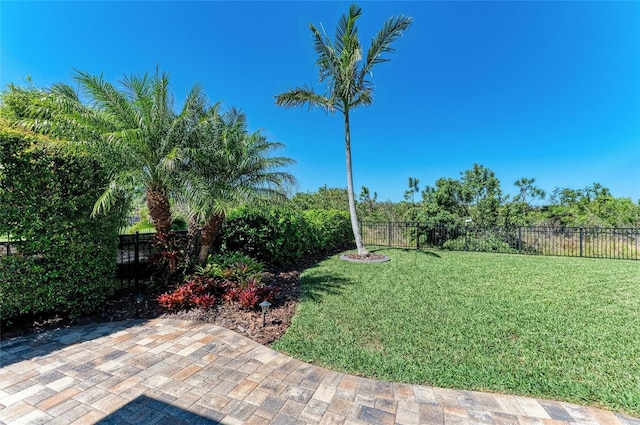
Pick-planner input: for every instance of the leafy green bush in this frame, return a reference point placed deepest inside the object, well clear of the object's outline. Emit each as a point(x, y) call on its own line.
point(279, 236)
point(330, 229)
point(66, 259)
point(271, 235)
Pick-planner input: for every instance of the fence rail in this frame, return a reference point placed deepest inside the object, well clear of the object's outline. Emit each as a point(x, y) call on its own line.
point(593, 242)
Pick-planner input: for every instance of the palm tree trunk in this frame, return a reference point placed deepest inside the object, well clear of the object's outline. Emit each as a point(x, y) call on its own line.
point(352, 199)
point(159, 209)
point(193, 241)
point(208, 235)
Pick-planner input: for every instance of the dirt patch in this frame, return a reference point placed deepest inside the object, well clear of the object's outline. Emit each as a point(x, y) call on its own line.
point(248, 323)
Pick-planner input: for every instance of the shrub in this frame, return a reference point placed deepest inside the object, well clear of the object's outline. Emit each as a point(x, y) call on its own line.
point(329, 229)
point(66, 259)
point(198, 292)
point(271, 235)
point(169, 261)
point(278, 236)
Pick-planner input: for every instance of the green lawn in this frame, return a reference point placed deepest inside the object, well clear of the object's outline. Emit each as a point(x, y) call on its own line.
point(551, 327)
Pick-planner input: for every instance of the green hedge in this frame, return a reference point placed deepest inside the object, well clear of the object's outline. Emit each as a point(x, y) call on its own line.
point(330, 229)
point(280, 236)
point(66, 259)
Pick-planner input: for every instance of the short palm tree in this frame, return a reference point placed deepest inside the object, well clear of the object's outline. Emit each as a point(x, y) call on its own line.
point(344, 70)
point(134, 132)
point(225, 167)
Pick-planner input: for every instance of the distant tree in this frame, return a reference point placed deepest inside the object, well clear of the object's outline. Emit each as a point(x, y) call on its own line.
point(325, 198)
point(476, 195)
point(528, 191)
point(482, 195)
point(520, 210)
point(592, 206)
point(345, 70)
point(410, 193)
point(367, 201)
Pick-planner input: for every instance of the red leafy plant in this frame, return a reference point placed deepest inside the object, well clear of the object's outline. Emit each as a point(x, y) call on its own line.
point(198, 292)
point(240, 283)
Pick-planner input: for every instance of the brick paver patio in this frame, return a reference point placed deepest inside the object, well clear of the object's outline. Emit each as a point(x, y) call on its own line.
point(175, 372)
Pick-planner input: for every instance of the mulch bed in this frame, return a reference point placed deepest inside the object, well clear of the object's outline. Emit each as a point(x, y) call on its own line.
point(366, 258)
point(248, 323)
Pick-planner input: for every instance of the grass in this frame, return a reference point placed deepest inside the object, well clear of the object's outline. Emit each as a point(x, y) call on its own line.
point(549, 327)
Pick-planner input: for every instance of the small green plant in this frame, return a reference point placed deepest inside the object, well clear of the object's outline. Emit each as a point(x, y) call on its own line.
point(233, 266)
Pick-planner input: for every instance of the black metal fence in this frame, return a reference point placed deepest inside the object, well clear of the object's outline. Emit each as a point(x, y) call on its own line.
point(134, 256)
point(133, 263)
point(134, 252)
point(594, 242)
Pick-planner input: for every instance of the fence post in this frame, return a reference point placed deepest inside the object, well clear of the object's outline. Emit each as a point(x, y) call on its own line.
point(389, 234)
point(417, 236)
point(466, 237)
point(519, 239)
point(581, 239)
point(136, 257)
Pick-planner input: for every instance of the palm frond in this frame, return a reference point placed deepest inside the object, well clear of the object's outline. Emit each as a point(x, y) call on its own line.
point(66, 91)
point(327, 59)
point(303, 95)
point(347, 41)
point(392, 29)
point(122, 183)
point(108, 99)
point(230, 166)
point(364, 97)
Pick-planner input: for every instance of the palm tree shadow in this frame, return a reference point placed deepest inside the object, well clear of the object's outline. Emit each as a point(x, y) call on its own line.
point(145, 409)
point(418, 251)
point(315, 288)
point(428, 253)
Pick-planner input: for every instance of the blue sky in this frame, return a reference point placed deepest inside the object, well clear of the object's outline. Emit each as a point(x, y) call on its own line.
point(549, 90)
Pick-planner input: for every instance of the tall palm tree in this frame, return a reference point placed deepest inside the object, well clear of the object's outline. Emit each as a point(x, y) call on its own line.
point(344, 70)
point(226, 166)
point(133, 131)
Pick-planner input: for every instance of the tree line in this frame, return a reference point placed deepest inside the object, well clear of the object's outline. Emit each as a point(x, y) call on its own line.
point(477, 198)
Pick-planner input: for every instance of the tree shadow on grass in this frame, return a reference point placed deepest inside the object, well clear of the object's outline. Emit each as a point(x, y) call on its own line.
point(315, 288)
point(418, 251)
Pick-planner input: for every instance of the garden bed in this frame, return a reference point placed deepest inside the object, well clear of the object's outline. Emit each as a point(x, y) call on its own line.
point(248, 323)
